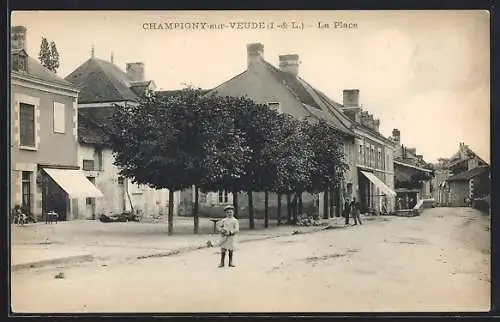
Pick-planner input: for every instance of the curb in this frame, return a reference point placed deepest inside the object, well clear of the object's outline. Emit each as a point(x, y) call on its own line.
point(180, 251)
point(61, 260)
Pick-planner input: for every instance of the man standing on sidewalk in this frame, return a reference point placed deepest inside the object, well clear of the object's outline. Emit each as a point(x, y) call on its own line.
point(228, 229)
point(347, 211)
point(355, 210)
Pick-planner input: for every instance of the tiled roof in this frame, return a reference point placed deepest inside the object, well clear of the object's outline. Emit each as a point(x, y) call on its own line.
point(466, 175)
point(93, 123)
point(101, 81)
point(36, 70)
point(310, 98)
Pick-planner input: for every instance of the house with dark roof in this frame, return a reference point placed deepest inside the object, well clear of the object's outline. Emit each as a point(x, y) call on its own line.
point(45, 176)
point(369, 153)
point(412, 175)
point(103, 88)
point(467, 176)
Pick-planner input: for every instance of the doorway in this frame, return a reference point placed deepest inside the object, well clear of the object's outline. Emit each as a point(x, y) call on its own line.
point(90, 202)
point(26, 192)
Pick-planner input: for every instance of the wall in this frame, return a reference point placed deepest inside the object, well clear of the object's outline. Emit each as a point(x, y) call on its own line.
point(150, 202)
point(458, 191)
point(48, 143)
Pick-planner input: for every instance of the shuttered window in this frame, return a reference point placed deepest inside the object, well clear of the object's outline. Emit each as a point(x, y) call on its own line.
point(59, 124)
point(27, 124)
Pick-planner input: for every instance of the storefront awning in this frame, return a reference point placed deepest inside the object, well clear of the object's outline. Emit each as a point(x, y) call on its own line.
point(377, 182)
point(74, 183)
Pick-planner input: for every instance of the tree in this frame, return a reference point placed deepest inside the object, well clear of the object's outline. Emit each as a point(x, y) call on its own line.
point(54, 56)
point(48, 55)
point(328, 158)
point(151, 143)
point(257, 123)
point(291, 152)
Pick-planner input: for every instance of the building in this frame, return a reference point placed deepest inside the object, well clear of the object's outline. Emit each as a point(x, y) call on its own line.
point(369, 154)
point(103, 88)
point(467, 176)
point(412, 175)
point(45, 175)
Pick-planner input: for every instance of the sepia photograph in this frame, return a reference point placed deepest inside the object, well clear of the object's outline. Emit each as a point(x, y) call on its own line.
point(249, 161)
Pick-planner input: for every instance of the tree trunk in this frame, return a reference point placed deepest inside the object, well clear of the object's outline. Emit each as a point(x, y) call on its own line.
point(301, 205)
point(288, 208)
point(279, 209)
point(250, 210)
point(266, 209)
point(235, 203)
point(170, 211)
point(295, 208)
point(196, 219)
point(325, 204)
point(338, 202)
point(332, 202)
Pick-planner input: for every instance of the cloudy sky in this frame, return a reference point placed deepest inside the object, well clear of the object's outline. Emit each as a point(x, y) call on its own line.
point(423, 72)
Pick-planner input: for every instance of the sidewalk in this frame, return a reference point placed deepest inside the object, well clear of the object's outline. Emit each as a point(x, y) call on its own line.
point(67, 242)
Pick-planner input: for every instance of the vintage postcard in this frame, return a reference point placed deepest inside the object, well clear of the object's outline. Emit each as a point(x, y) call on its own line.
point(250, 161)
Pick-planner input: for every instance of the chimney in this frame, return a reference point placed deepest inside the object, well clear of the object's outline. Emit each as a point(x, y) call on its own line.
point(135, 71)
point(351, 98)
point(350, 104)
point(396, 136)
point(289, 64)
point(376, 125)
point(18, 37)
point(255, 52)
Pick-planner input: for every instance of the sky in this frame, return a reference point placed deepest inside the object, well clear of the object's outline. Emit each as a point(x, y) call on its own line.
point(426, 73)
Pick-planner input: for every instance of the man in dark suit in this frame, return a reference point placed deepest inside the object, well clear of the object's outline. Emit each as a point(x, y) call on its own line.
point(355, 210)
point(347, 210)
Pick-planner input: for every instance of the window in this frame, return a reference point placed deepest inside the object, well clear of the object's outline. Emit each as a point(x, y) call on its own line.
point(367, 154)
point(223, 197)
point(360, 153)
point(59, 120)
point(379, 157)
point(88, 165)
point(27, 124)
point(120, 180)
point(275, 106)
point(98, 159)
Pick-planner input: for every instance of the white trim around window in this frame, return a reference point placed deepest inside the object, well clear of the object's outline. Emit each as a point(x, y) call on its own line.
point(30, 100)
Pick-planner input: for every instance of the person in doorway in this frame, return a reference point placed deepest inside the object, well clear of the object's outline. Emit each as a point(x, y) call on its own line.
point(355, 210)
point(228, 229)
point(347, 210)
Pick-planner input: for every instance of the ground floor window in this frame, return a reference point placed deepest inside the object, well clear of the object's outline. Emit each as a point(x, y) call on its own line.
point(223, 197)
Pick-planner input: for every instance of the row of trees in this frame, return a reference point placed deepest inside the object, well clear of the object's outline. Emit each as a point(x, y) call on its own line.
point(223, 143)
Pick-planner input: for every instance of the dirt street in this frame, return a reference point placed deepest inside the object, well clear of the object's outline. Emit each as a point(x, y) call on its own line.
point(439, 261)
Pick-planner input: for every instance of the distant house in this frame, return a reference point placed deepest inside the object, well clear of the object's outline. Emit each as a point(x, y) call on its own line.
point(369, 154)
point(45, 175)
point(468, 177)
point(104, 87)
point(412, 175)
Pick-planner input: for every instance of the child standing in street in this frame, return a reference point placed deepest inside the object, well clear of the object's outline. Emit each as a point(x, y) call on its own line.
point(228, 229)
